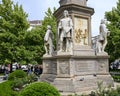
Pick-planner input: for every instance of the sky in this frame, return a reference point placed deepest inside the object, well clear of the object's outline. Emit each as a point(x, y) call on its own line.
point(36, 10)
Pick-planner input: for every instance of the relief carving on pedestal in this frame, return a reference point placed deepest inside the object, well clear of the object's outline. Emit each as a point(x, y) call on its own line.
point(47, 63)
point(81, 31)
point(64, 67)
point(50, 66)
point(101, 65)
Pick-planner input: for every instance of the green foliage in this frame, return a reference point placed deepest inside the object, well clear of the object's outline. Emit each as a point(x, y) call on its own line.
point(20, 79)
point(16, 43)
point(32, 78)
point(17, 74)
point(18, 83)
point(118, 90)
point(101, 90)
point(6, 90)
point(13, 26)
point(105, 91)
point(116, 78)
point(39, 89)
point(114, 27)
point(114, 70)
point(34, 44)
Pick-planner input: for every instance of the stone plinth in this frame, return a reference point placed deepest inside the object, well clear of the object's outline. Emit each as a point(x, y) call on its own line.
point(77, 74)
point(72, 74)
point(49, 69)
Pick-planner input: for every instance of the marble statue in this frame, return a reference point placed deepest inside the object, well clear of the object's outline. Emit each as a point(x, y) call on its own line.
point(65, 29)
point(48, 41)
point(102, 39)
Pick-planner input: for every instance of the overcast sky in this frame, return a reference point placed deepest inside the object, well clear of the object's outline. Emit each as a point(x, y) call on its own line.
point(36, 9)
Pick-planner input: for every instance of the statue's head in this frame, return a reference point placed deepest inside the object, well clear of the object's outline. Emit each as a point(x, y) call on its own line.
point(66, 14)
point(48, 27)
point(102, 21)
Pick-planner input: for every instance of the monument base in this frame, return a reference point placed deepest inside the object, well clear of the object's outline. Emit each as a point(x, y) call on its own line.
point(78, 74)
point(81, 84)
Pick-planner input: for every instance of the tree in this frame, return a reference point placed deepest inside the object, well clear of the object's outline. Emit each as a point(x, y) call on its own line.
point(34, 44)
point(113, 46)
point(16, 43)
point(13, 26)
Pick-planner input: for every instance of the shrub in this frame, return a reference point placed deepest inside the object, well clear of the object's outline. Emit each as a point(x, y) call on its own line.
point(118, 90)
point(32, 78)
point(20, 79)
point(6, 90)
point(116, 78)
point(18, 83)
point(112, 92)
point(39, 89)
point(105, 91)
point(17, 74)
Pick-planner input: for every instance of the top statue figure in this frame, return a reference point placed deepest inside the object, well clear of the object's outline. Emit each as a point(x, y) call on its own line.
point(65, 29)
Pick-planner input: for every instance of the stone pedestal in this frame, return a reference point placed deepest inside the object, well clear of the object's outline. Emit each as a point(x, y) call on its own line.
point(77, 74)
point(49, 69)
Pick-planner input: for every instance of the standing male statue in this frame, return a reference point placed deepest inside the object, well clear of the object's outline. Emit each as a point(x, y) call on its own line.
point(102, 40)
point(48, 41)
point(65, 29)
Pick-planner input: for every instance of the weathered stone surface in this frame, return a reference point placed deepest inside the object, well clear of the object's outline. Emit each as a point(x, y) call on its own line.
point(79, 70)
point(81, 73)
point(49, 69)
